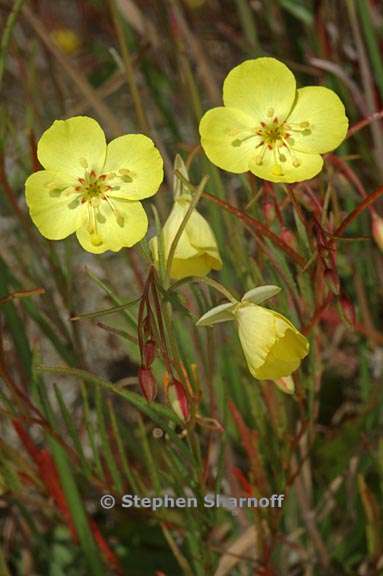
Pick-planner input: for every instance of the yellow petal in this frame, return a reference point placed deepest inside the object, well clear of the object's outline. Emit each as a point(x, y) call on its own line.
point(124, 225)
point(228, 138)
point(54, 206)
point(295, 167)
point(325, 113)
point(138, 166)
point(263, 88)
point(202, 238)
point(73, 146)
point(199, 265)
point(184, 248)
point(273, 347)
point(196, 252)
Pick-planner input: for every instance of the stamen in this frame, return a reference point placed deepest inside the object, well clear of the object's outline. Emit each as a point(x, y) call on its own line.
point(238, 141)
point(277, 169)
point(295, 161)
point(84, 163)
point(270, 112)
point(120, 219)
point(95, 238)
point(259, 158)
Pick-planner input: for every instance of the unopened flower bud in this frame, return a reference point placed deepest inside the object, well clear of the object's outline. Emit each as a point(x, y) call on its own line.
point(347, 310)
point(269, 211)
point(149, 352)
point(289, 238)
point(178, 400)
point(147, 383)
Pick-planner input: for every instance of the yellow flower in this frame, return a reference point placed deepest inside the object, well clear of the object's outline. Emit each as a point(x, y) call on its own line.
point(92, 188)
point(272, 345)
point(269, 127)
point(67, 40)
point(196, 250)
point(196, 253)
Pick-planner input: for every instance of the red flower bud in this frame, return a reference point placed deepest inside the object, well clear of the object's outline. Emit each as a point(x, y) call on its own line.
point(178, 399)
point(269, 211)
point(289, 238)
point(147, 383)
point(347, 310)
point(149, 352)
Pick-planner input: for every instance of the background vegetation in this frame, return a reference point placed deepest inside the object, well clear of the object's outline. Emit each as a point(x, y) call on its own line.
point(74, 421)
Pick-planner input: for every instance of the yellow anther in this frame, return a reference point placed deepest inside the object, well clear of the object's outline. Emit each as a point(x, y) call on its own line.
point(270, 112)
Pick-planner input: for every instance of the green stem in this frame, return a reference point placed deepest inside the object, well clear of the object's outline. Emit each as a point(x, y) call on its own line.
point(7, 34)
point(210, 282)
point(129, 71)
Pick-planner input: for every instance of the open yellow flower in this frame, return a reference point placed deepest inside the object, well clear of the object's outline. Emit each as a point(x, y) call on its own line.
point(272, 345)
point(91, 188)
point(196, 253)
point(269, 127)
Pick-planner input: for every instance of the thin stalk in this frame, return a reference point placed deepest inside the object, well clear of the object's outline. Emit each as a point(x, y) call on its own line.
point(209, 282)
point(7, 35)
point(129, 71)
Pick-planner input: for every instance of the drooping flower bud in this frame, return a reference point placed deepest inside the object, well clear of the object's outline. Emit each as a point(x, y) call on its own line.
point(178, 400)
point(147, 383)
point(269, 212)
point(196, 253)
point(149, 352)
point(289, 238)
point(347, 310)
point(272, 345)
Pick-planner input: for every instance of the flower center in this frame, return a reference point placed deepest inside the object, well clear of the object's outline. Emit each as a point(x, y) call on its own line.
point(96, 190)
point(92, 186)
point(275, 138)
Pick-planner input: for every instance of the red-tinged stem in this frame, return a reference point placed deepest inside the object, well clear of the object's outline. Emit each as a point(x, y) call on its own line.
point(358, 210)
point(254, 224)
point(317, 314)
point(108, 553)
point(48, 474)
point(51, 479)
point(365, 122)
point(349, 174)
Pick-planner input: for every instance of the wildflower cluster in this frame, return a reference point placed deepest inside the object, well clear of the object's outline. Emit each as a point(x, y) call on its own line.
point(94, 190)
